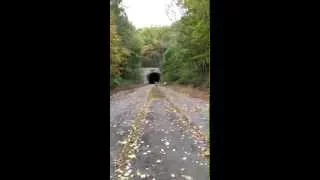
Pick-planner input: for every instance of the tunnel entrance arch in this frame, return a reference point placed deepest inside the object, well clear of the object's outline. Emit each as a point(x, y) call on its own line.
point(150, 75)
point(153, 78)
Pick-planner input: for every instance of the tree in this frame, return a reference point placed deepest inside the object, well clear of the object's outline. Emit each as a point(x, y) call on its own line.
point(188, 51)
point(125, 47)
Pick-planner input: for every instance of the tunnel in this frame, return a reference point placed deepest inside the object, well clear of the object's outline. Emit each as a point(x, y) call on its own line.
point(153, 77)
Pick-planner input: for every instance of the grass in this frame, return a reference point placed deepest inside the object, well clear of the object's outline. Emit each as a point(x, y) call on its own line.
point(189, 90)
point(125, 85)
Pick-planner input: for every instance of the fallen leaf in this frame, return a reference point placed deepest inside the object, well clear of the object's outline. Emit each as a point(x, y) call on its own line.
point(131, 156)
point(187, 177)
point(122, 142)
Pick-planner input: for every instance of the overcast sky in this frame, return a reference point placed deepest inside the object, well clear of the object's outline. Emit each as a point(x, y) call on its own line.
point(146, 13)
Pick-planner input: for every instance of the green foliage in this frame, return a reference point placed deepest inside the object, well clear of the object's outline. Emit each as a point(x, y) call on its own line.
point(125, 47)
point(187, 59)
point(182, 50)
point(154, 42)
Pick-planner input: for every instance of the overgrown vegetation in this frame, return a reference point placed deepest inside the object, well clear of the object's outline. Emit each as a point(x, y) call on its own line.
point(125, 47)
point(181, 50)
point(187, 57)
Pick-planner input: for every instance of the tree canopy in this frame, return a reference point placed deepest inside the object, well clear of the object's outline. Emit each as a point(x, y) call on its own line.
point(181, 50)
point(125, 47)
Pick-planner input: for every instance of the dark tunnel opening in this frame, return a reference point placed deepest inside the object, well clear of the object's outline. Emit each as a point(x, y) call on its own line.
point(153, 77)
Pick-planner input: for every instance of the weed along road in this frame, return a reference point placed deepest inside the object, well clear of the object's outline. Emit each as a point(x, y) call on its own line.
point(158, 133)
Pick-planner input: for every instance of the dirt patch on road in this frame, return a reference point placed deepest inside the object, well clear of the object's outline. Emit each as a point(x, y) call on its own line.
point(156, 93)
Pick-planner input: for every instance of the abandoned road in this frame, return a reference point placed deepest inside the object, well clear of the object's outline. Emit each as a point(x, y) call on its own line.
point(158, 134)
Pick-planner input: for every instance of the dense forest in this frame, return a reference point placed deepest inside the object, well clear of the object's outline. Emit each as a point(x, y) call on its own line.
point(181, 50)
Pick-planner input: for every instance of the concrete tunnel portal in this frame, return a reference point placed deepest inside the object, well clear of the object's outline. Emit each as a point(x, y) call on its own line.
point(150, 75)
point(153, 77)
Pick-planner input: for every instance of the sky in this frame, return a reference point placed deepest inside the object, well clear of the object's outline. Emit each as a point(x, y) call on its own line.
point(146, 13)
